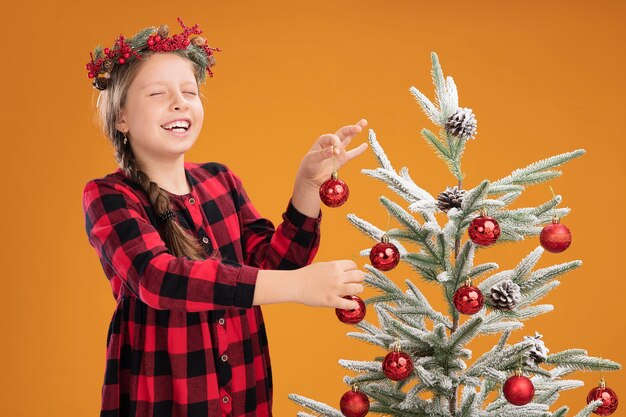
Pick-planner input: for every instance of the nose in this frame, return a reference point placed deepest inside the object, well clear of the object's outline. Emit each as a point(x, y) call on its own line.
point(179, 102)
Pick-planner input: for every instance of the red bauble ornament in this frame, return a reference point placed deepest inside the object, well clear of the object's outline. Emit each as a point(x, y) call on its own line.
point(334, 192)
point(555, 237)
point(384, 255)
point(351, 316)
point(354, 403)
point(608, 397)
point(484, 230)
point(468, 299)
point(397, 365)
point(518, 390)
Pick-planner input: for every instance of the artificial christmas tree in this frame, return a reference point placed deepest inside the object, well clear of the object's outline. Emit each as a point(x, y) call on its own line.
point(510, 380)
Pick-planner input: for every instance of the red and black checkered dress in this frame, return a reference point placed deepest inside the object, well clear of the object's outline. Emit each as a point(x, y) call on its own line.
point(185, 339)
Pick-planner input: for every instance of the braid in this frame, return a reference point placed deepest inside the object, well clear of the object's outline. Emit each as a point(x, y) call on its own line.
point(176, 238)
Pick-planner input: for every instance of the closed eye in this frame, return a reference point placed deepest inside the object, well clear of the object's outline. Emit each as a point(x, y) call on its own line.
point(188, 92)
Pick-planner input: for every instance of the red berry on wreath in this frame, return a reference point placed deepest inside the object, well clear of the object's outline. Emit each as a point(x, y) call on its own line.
point(334, 192)
point(351, 316)
point(468, 299)
point(518, 390)
point(608, 397)
point(397, 365)
point(484, 230)
point(354, 403)
point(384, 255)
point(555, 237)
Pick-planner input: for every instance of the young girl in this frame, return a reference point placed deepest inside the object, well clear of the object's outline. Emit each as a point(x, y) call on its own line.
point(189, 258)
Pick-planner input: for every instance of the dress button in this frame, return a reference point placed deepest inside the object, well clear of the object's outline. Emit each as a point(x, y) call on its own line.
point(192, 200)
point(224, 358)
point(205, 239)
point(225, 399)
point(221, 321)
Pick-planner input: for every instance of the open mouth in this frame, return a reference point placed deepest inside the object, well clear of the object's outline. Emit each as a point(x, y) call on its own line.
point(177, 129)
point(178, 126)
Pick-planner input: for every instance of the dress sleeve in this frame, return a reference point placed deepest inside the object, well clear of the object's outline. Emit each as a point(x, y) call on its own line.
point(293, 244)
point(115, 221)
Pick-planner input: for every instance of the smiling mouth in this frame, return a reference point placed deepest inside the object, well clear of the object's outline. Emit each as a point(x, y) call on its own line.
point(176, 129)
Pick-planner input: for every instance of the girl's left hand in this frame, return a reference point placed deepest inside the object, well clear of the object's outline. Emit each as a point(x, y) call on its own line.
point(317, 165)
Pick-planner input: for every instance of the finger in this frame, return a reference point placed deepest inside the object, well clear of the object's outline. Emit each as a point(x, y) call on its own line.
point(344, 157)
point(352, 153)
point(352, 289)
point(354, 275)
point(344, 304)
point(322, 154)
point(350, 130)
point(346, 264)
point(325, 146)
point(328, 140)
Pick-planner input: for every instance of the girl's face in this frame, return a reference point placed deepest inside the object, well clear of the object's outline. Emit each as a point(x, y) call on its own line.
point(163, 90)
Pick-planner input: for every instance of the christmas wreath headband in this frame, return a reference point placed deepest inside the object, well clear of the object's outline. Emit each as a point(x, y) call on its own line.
point(103, 60)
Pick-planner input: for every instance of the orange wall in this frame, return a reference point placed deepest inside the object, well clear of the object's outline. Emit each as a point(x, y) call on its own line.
point(542, 77)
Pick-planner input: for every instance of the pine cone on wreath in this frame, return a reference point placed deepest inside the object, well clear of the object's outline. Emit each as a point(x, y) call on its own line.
point(451, 197)
point(101, 83)
point(199, 41)
point(163, 31)
point(505, 295)
point(462, 124)
point(538, 353)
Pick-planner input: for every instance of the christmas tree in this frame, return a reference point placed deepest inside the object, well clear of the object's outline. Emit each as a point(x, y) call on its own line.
point(426, 370)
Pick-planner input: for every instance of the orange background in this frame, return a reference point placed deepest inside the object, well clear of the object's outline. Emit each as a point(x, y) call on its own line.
point(542, 78)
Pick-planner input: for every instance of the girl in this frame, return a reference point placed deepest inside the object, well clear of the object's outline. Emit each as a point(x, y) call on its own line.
point(189, 258)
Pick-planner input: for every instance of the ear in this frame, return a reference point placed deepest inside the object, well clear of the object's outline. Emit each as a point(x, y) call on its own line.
point(121, 123)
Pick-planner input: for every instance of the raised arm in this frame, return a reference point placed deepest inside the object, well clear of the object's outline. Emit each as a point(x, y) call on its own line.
point(293, 244)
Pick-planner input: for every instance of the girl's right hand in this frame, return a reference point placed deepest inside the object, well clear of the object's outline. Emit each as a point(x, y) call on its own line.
point(323, 284)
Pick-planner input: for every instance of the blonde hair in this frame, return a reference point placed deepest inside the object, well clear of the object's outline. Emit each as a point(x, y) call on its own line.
point(110, 103)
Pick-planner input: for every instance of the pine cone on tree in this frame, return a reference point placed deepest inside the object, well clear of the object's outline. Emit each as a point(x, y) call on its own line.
point(505, 295)
point(462, 124)
point(538, 353)
point(451, 197)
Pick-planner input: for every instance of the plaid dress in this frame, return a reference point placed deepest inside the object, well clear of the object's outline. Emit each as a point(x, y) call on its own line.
point(184, 339)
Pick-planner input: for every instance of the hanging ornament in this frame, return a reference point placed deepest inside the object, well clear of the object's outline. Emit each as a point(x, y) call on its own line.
point(484, 230)
point(384, 255)
point(354, 403)
point(334, 192)
point(397, 365)
point(608, 397)
point(505, 295)
point(351, 316)
point(468, 299)
point(555, 237)
point(518, 390)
